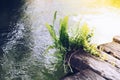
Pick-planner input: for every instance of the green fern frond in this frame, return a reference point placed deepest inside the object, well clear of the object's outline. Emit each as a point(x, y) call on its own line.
point(64, 37)
point(52, 33)
point(55, 14)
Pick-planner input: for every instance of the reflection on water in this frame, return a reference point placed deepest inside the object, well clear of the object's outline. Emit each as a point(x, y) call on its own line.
point(23, 53)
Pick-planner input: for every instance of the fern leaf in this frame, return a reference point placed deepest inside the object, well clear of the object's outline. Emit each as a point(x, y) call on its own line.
point(55, 14)
point(64, 38)
point(52, 33)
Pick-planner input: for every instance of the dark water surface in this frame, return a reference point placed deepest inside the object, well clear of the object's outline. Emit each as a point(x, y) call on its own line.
point(24, 38)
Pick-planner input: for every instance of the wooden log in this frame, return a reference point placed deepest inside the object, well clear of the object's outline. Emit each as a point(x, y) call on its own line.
point(92, 68)
point(84, 75)
point(116, 39)
point(112, 48)
point(104, 69)
point(110, 59)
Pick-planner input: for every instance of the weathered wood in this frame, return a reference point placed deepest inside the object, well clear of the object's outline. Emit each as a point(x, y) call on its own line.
point(85, 75)
point(102, 68)
point(112, 48)
point(110, 59)
point(89, 67)
point(116, 39)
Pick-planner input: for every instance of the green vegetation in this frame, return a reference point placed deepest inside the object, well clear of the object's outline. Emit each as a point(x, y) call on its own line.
point(82, 38)
point(64, 43)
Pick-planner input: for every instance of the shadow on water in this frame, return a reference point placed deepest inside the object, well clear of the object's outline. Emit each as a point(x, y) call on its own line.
point(9, 15)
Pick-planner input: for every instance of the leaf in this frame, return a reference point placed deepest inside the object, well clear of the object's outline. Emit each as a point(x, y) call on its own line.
point(50, 47)
point(64, 37)
point(52, 33)
point(55, 14)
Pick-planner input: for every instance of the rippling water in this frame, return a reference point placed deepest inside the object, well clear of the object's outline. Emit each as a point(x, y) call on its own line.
point(23, 57)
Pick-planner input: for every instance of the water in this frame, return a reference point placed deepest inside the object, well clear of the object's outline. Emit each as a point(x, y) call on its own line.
point(23, 57)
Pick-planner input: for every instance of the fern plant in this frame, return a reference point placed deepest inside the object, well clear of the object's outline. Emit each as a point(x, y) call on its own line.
point(61, 42)
point(52, 32)
point(82, 39)
point(64, 43)
point(63, 33)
